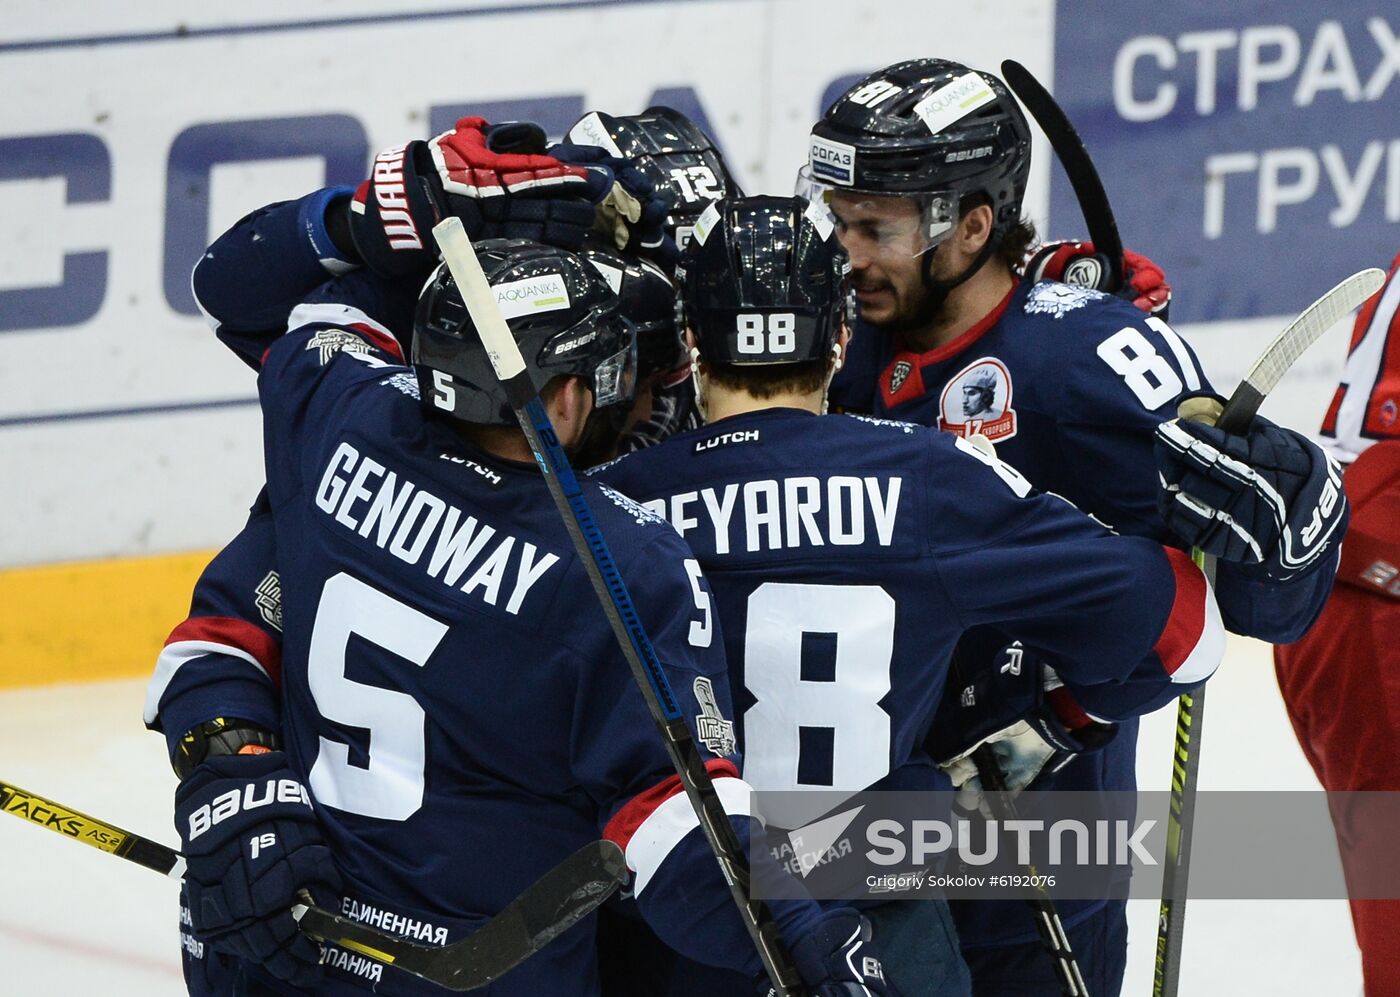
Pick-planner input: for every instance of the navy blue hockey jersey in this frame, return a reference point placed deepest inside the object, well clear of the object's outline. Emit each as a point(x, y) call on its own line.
point(450, 688)
point(847, 557)
point(1069, 384)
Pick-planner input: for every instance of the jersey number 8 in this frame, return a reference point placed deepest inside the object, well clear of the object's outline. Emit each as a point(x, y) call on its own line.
point(1145, 371)
point(836, 715)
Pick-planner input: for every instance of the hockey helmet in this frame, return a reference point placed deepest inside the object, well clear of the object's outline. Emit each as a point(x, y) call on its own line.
point(931, 130)
point(564, 316)
point(764, 281)
point(671, 151)
point(647, 300)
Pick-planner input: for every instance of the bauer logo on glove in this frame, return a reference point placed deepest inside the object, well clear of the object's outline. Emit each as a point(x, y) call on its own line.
point(1271, 497)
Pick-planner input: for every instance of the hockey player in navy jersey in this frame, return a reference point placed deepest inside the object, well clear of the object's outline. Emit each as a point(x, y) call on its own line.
point(924, 167)
point(847, 555)
point(453, 713)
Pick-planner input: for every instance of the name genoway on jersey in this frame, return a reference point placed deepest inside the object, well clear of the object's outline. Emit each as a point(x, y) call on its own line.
point(777, 514)
point(405, 520)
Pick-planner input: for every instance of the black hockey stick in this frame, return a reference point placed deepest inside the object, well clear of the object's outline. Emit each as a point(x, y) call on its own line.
point(1047, 918)
point(613, 596)
point(1074, 158)
point(550, 906)
point(1235, 417)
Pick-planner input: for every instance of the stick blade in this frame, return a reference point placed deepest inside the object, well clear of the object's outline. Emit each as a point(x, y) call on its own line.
point(552, 905)
point(1309, 326)
point(1074, 159)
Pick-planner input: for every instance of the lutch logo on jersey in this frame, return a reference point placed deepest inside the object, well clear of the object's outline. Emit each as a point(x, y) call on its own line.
point(977, 399)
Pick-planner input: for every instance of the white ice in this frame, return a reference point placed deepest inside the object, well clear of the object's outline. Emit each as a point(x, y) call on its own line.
point(75, 921)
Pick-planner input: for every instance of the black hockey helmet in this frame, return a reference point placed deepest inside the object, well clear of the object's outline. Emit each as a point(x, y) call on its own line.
point(763, 281)
point(647, 299)
point(564, 316)
point(930, 129)
point(671, 151)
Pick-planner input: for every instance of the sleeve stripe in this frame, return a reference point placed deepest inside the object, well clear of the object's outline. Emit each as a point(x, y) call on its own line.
point(1193, 640)
point(653, 823)
point(177, 654)
point(327, 313)
point(242, 639)
point(201, 635)
point(1067, 709)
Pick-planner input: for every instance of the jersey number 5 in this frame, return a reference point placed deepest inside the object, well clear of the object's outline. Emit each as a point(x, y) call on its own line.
point(391, 786)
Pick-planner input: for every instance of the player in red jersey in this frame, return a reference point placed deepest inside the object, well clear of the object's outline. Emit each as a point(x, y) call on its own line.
point(1341, 682)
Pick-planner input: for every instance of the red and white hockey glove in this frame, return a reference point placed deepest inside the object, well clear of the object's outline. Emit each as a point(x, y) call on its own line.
point(1078, 263)
point(496, 180)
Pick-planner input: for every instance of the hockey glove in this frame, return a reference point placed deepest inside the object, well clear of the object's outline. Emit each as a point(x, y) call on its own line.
point(1271, 497)
point(1080, 264)
point(1022, 710)
point(479, 174)
point(632, 214)
point(251, 843)
point(837, 958)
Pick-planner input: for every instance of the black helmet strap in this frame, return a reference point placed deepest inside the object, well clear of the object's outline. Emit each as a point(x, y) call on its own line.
point(937, 291)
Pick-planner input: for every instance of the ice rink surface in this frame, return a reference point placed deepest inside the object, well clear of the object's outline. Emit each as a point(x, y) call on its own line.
point(74, 921)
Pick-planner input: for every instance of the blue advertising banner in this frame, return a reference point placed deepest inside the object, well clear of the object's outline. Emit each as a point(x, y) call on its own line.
point(1253, 149)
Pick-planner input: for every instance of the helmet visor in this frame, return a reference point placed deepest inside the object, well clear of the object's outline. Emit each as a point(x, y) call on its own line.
point(615, 378)
point(878, 221)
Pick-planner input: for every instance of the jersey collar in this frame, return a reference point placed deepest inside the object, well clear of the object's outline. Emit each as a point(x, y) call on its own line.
point(902, 379)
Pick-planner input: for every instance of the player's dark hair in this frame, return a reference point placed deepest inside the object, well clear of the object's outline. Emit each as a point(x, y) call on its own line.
point(764, 381)
point(1013, 245)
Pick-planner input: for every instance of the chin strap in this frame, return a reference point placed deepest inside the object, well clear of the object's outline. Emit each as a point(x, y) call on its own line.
point(832, 371)
point(699, 381)
point(938, 290)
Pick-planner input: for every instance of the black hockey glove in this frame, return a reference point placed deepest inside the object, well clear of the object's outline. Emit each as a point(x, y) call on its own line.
point(632, 214)
point(838, 959)
point(251, 843)
point(1271, 497)
point(1020, 708)
point(479, 174)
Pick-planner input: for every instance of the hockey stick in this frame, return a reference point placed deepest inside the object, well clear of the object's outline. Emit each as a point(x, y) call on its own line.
point(612, 594)
point(1238, 413)
point(549, 906)
point(1074, 158)
point(1047, 920)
